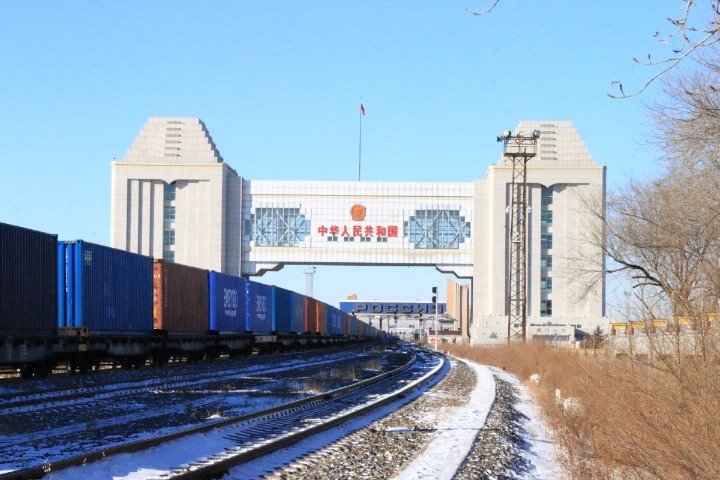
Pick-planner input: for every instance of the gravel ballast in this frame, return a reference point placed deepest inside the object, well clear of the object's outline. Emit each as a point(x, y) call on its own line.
point(383, 449)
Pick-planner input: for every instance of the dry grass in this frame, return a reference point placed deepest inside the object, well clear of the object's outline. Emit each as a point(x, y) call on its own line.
point(650, 420)
point(325, 380)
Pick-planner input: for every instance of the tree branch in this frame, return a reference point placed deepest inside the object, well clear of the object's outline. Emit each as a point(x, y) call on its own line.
point(488, 10)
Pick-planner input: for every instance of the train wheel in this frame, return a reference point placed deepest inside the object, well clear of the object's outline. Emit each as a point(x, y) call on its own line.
point(42, 368)
point(26, 371)
point(82, 366)
point(159, 359)
point(125, 363)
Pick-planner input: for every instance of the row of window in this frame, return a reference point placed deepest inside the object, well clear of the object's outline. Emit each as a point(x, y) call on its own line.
point(546, 218)
point(546, 240)
point(546, 261)
point(170, 191)
point(545, 308)
point(169, 196)
point(546, 244)
point(546, 196)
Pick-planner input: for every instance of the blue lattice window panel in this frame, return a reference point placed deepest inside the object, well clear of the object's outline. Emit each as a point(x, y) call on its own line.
point(437, 229)
point(277, 227)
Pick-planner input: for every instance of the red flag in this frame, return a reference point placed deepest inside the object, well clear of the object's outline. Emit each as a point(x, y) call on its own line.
point(362, 109)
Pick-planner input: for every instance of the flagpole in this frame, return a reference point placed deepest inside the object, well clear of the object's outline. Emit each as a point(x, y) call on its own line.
point(360, 140)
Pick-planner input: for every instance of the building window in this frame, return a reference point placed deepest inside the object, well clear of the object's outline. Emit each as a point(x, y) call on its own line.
point(169, 214)
point(546, 241)
point(437, 229)
point(277, 227)
point(546, 261)
point(546, 308)
point(169, 256)
point(546, 218)
point(547, 196)
point(169, 237)
point(546, 285)
point(169, 192)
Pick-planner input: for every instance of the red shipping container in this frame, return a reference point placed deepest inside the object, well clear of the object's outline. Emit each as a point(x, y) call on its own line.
point(321, 320)
point(311, 314)
point(181, 298)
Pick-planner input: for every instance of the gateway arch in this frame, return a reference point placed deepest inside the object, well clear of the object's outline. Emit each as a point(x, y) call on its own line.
point(175, 198)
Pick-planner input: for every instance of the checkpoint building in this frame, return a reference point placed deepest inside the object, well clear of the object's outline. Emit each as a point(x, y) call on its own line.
point(175, 198)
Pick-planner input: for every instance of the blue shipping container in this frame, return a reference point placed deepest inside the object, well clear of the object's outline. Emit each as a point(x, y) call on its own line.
point(259, 307)
point(282, 310)
point(299, 323)
point(28, 280)
point(227, 303)
point(352, 328)
point(104, 289)
point(334, 320)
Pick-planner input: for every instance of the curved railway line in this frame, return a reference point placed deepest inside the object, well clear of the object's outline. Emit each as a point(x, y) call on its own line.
point(241, 438)
point(110, 407)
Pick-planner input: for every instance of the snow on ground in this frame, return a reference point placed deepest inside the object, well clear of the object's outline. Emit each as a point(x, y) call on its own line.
point(457, 428)
point(543, 453)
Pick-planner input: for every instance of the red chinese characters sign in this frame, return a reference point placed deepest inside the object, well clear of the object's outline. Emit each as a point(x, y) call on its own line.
point(390, 231)
point(357, 213)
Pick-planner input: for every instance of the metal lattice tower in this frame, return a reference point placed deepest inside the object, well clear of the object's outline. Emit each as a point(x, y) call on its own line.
point(309, 273)
point(519, 149)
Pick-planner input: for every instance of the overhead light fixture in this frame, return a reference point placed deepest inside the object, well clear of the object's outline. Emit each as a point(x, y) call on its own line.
point(504, 136)
point(536, 133)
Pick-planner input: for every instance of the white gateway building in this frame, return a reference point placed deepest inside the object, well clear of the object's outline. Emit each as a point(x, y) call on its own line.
point(174, 197)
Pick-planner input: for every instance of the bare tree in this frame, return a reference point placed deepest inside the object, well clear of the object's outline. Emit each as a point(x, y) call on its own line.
point(665, 234)
point(687, 118)
point(696, 30)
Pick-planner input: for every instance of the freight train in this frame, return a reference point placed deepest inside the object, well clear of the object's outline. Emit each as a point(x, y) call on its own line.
point(82, 305)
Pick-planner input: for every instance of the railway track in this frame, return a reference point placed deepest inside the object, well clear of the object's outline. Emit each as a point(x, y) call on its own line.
point(47, 431)
point(53, 397)
point(15, 387)
point(228, 442)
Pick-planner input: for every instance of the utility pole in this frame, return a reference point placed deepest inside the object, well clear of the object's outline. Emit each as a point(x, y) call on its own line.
point(309, 273)
point(519, 149)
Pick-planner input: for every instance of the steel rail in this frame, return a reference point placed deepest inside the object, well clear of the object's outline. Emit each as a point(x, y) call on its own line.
point(39, 471)
point(15, 400)
point(220, 463)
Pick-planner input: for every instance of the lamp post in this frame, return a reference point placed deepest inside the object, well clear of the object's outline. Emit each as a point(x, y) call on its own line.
point(519, 149)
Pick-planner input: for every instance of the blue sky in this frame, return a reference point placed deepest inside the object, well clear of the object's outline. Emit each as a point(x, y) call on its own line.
point(278, 82)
